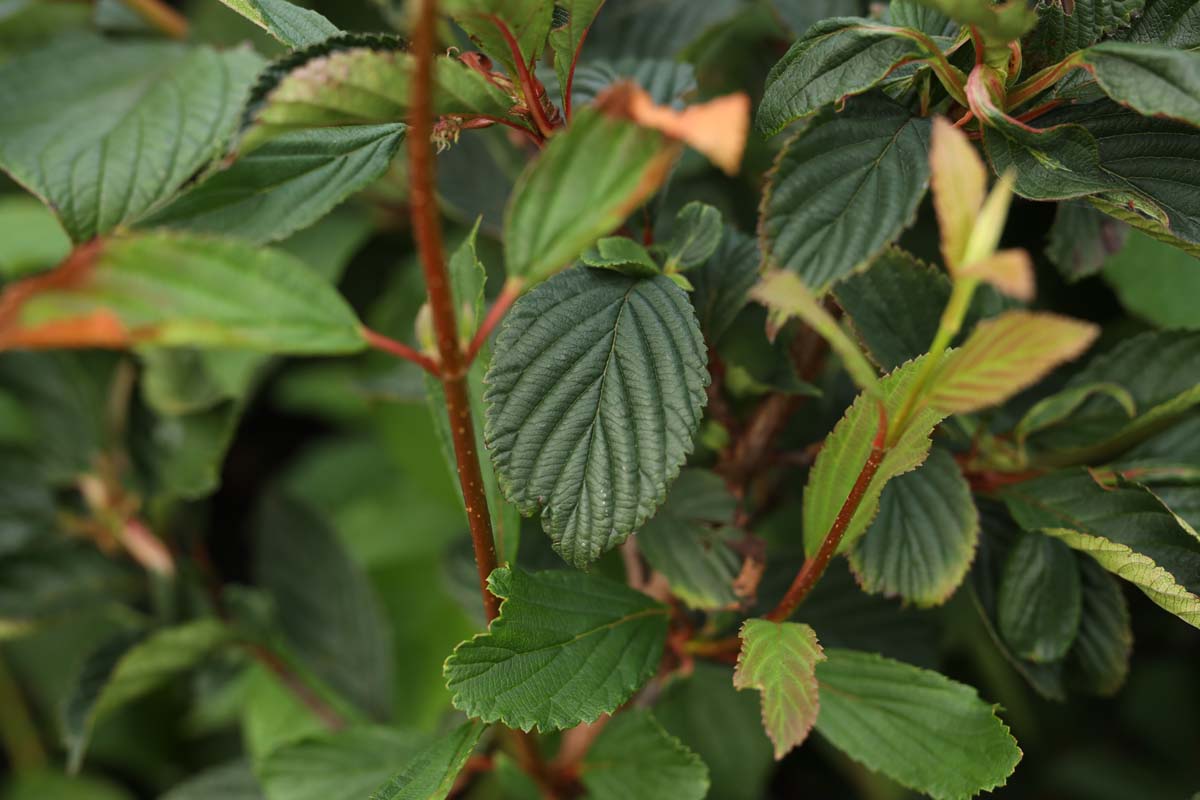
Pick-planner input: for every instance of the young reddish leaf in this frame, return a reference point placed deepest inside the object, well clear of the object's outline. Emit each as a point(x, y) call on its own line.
point(1010, 271)
point(1005, 355)
point(958, 179)
point(780, 660)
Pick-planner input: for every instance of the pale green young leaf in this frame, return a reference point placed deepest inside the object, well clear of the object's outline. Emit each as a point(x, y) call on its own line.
point(594, 396)
point(958, 183)
point(843, 188)
point(431, 773)
point(688, 540)
point(33, 239)
point(182, 290)
point(695, 236)
point(847, 449)
point(1040, 599)
point(293, 25)
point(780, 659)
point(566, 648)
point(1003, 356)
point(1003, 21)
point(921, 544)
point(339, 765)
point(621, 254)
point(1156, 281)
point(468, 277)
point(833, 60)
point(1154, 80)
point(129, 666)
point(633, 758)
point(528, 21)
point(285, 185)
point(1124, 527)
point(82, 106)
point(917, 727)
point(567, 38)
point(586, 181)
point(357, 80)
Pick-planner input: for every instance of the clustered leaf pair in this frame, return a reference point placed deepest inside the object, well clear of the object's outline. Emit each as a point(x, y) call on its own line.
point(649, 360)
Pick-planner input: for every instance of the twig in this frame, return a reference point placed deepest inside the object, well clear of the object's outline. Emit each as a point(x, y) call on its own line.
point(161, 16)
point(401, 350)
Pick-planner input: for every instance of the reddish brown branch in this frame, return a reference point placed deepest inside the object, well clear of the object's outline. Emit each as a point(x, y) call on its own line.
point(529, 86)
point(400, 350)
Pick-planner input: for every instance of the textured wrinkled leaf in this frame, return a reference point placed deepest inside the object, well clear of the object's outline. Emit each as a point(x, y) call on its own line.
point(594, 396)
point(430, 774)
point(1059, 34)
point(566, 648)
point(919, 728)
point(27, 507)
point(285, 185)
point(1082, 239)
point(695, 235)
point(357, 80)
point(921, 544)
point(33, 239)
point(1124, 527)
point(622, 254)
point(528, 20)
point(721, 285)
point(179, 290)
point(343, 765)
point(1004, 355)
point(1040, 599)
point(104, 132)
point(633, 758)
point(327, 608)
point(567, 38)
point(834, 59)
point(291, 24)
point(584, 184)
point(1175, 23)
point(232, 781)
point(911, 14)
point(1152, 79)
point(780, 660)
point(687, 540)
point(847, 449)
point(843, 188)
point(1155, 281)
point(128, 666)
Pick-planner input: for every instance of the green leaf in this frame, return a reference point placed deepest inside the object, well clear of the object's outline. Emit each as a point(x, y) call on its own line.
point(780, 659)
point(1175, 23)
point(633, 758)
point(27, 507)
point(847, 449)
point(285, 185)
point(687, 541)
point(1004, 21)
point(1059, 34)
point(922, 543)
point(33, 239)
point(343, 765)
point(357, 80)
point(843, 188)
point(721, 285)
point(930, 21)
point(1082, 239)
point(1152, 79)
point(667, 82)
point(1040, 599)
point(326, 606)
point(430, 774)
point(52, 580)
point(1155, 281)
point(594, 396)
point(182, 290)
point(833, 60)
point(528, 20)
point(1099, 659)
point(294, 26)
point(694, 237)
point(1124, 527)
point(79, 142)
point(1060, 407)
point(129, 666)
point(623, 255)
point(584, 184)
point(567, 38)
point(1004, 355)
point(917, 727)
point(468, 277)
point(566, 648)
point(232, 781)
point(54, 784)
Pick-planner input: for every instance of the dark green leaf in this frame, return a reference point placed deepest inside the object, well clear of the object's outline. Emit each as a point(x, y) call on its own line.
point(294, 26)
point(1059, 34)
point(430, 774)
point(633, 758)
point(52, 581)
point(566, 648)
point(1099, 659)
point(695, 236)
point(928, 20)
point(285, 185)
point(921, 544)
point(85, 104)
point(843, 188)
point(919, 728)
point(594, 396)
point(1040, 599)
point(1175, 23)
point(1082, 239)
point(721, 285)
point(1151, 79)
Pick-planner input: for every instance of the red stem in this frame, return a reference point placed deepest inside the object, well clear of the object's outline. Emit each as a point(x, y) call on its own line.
point(532, 98)
point(508, 296)
point(296, 685)
point(428, 233)
point(815, 567)
point(400, 350)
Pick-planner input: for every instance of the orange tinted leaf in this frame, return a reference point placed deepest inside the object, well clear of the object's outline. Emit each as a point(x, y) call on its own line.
point(959, 183)
point(1010, 271)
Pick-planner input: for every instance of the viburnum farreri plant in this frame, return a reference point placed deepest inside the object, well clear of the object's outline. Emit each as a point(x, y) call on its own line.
point(794, 366)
